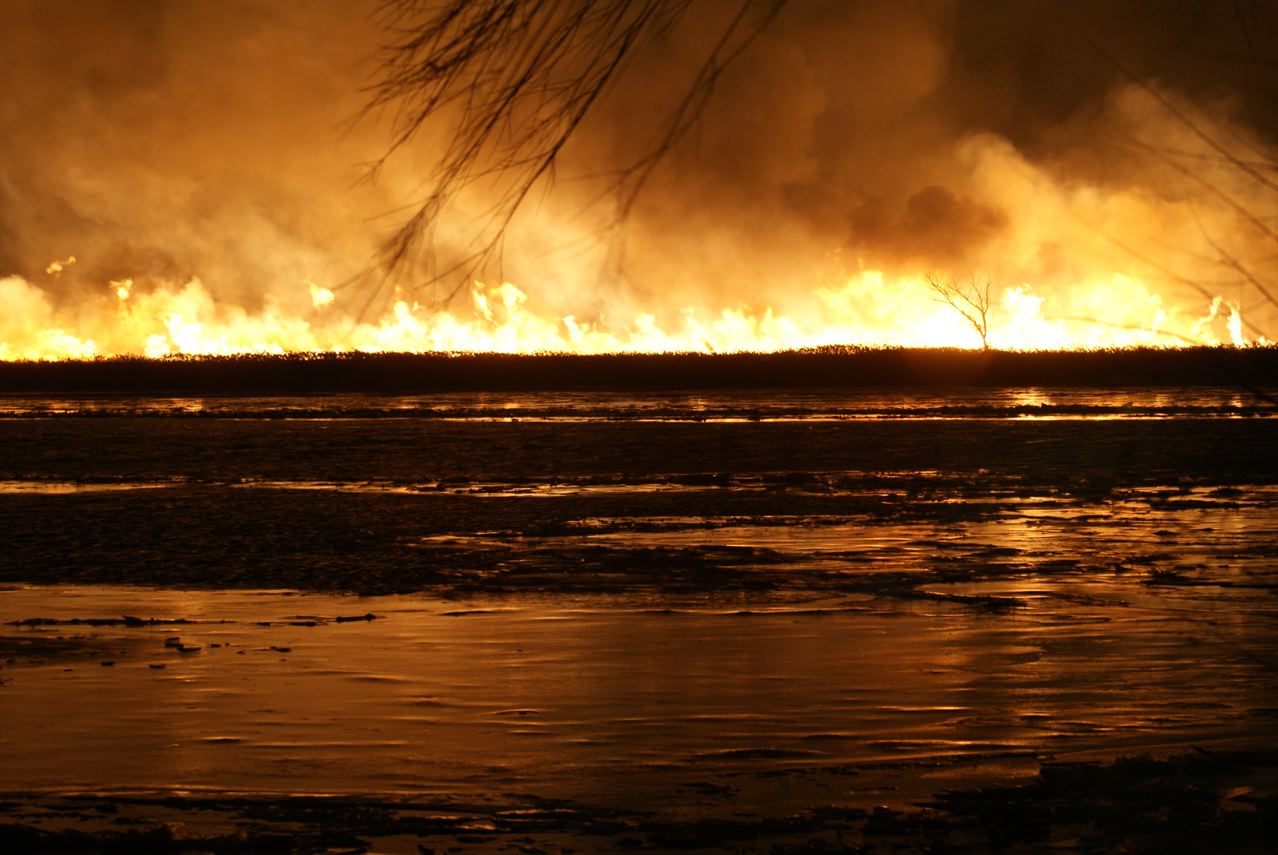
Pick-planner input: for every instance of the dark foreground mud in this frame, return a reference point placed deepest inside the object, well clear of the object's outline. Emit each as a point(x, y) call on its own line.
point(1195, 802)
point(829, 367)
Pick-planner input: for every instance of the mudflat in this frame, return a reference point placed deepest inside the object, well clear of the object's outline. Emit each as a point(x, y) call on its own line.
point(771, 621)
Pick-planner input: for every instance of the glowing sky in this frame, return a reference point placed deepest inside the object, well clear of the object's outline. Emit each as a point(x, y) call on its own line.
point(209, 153)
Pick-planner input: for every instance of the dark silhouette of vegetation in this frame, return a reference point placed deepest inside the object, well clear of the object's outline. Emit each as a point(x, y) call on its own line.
point(829, 367)
point(970, 299)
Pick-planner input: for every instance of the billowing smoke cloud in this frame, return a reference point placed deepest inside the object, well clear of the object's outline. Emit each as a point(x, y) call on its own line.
point(177, 138)
point(1059, 148)
point(965, 137)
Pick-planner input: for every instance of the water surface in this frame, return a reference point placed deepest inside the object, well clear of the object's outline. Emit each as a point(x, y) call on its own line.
point(701, 605)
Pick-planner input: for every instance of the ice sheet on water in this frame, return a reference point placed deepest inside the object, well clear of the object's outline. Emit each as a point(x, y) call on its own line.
point(604, 697)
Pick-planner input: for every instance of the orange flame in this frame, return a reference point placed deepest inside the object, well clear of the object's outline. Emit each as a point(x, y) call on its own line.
point(866, 309)
point(55, 268)
point(1073, 254)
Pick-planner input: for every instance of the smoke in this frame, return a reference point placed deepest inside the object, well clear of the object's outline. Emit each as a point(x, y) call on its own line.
point(965, 136)
point(165, 139)
point(1036, 143)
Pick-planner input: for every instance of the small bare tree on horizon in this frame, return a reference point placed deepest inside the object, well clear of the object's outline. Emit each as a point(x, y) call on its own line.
point(970, 299)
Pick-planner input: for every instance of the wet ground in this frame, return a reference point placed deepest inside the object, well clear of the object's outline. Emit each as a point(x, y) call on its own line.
point(742, 622)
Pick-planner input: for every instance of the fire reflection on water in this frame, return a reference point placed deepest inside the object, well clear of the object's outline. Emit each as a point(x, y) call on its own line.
point(628, 699)
point(860, 610)
point(616, 700)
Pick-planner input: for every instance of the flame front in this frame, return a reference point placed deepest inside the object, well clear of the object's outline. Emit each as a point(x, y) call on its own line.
point(865, 308)
point(1074, 265)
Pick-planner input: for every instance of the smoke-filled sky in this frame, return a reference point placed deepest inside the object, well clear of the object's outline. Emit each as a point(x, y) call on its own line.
point(1063, 149)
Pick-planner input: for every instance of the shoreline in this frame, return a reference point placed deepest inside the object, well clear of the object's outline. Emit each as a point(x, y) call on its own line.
point(831, 367)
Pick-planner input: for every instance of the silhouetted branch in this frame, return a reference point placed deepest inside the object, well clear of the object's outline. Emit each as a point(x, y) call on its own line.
point(1237, 207)
point(1187, 121)
point(1183, 339)
point(1253, 168)
point(1230, 260)
point(513, 81)
point(971, 300)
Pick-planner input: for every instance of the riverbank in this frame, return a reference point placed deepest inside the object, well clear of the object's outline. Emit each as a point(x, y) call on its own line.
point(832, 367)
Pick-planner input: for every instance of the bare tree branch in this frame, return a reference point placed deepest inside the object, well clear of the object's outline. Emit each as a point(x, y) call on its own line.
point(1253, 169)
point(971, 300)
point(1228, 259)
point(513, 81)
point(1184, 339)
point(1186, 120)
